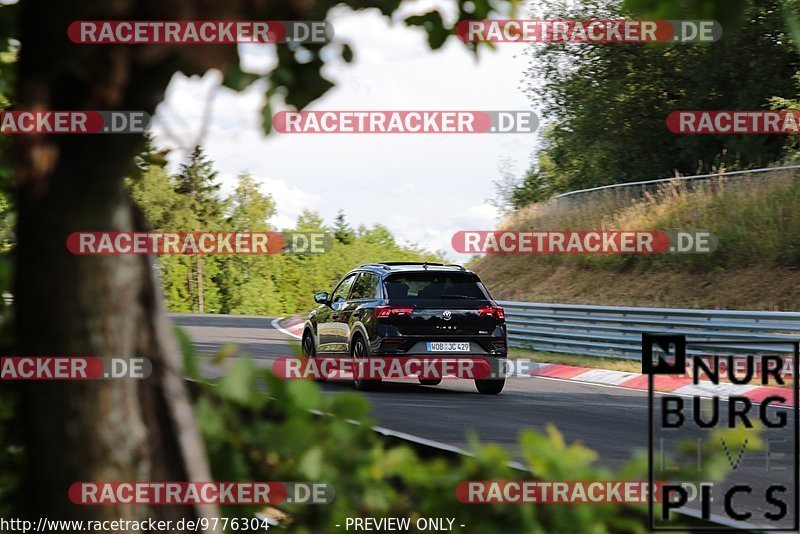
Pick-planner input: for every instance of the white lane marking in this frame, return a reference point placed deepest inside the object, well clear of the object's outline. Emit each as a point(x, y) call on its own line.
point(604, 376)
point(276, 325)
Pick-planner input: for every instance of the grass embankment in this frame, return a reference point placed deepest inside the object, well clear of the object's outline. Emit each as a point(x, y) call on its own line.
point(577, 360)
point(755, 266)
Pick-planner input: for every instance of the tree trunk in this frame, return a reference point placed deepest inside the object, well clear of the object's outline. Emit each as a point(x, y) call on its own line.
point(200, 299)
point(105, 306)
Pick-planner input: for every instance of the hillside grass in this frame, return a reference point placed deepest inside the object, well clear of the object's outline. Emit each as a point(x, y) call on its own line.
point(576, 360)
point(755, 266)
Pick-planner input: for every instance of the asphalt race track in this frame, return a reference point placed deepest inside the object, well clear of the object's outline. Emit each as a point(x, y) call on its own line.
point(611, 421)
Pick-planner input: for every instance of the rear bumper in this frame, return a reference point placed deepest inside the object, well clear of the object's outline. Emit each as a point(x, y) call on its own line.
point(491, 347)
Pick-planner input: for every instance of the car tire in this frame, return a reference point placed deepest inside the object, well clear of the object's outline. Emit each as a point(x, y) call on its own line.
point(358, 350)
point(490, 386)
point(309, 351)
point(430, 381)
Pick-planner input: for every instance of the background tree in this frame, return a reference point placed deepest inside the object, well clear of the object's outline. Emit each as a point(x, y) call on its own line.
point(309, 221)
point(274, 284)
point(200, 204)
point(247, 283)
point(341, 230)
point(605, 107)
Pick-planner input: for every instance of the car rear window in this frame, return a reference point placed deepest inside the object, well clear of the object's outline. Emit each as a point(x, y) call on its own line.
point(434, 286)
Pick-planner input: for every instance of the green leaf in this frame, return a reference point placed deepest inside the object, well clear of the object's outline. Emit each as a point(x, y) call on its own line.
point(793, 24)
point(237, 384)
point(304, 394)
point(266, 116)
point(727, 12)
point(347, 53)
point(209, 420)
point(311, 463)
point(226, 351)
point(433, 24)
point(238, 80)
point(303, 83)
point(349, 406)
point(190, 360)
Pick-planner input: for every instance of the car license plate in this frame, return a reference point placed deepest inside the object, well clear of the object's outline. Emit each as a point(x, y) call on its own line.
point(447, 346)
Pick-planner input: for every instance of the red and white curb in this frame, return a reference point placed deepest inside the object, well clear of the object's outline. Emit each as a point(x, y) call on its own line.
point(662, 383)
point(293, 326)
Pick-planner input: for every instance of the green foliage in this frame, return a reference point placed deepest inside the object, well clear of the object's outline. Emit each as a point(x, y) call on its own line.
point(605, 107)
point(309, 221)
point(11, 450)
point(246, 284)
point(297, 79)
point(792, 146)
point(9, 51)
point(8, 59)
point(434, 26)
point(198, 190)
point(297, 434)
point(341, 230)
point(754, 219)
point(729, 13)
point(514, 194)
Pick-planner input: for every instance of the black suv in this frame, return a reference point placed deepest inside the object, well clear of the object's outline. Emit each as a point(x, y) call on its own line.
point(409, 309)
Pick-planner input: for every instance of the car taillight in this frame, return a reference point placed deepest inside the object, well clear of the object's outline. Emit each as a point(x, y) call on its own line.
point(388, 311)
point(499, 343)
point(495, 312)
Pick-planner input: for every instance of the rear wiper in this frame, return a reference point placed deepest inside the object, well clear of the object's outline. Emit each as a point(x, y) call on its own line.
point(458, 297)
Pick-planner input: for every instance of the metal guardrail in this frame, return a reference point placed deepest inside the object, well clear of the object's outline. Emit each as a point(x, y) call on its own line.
point(680, 178)
point(616, 331)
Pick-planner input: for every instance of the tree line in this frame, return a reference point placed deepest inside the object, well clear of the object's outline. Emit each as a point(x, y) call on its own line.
point(276, 284)
point(605, 106)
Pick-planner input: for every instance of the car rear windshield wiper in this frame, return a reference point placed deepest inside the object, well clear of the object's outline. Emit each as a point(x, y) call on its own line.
point(458, 297)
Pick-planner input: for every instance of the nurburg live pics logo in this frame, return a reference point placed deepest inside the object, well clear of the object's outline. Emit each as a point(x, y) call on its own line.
point(761, 486)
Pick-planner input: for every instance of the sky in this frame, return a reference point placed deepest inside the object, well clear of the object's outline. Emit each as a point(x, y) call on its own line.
point(423, 187)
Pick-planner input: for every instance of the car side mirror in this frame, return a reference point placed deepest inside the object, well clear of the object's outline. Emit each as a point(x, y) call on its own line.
point(321, 297)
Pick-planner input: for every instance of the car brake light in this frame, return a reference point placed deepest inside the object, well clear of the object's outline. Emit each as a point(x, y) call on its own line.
point(387, 311)
point(495, 312)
